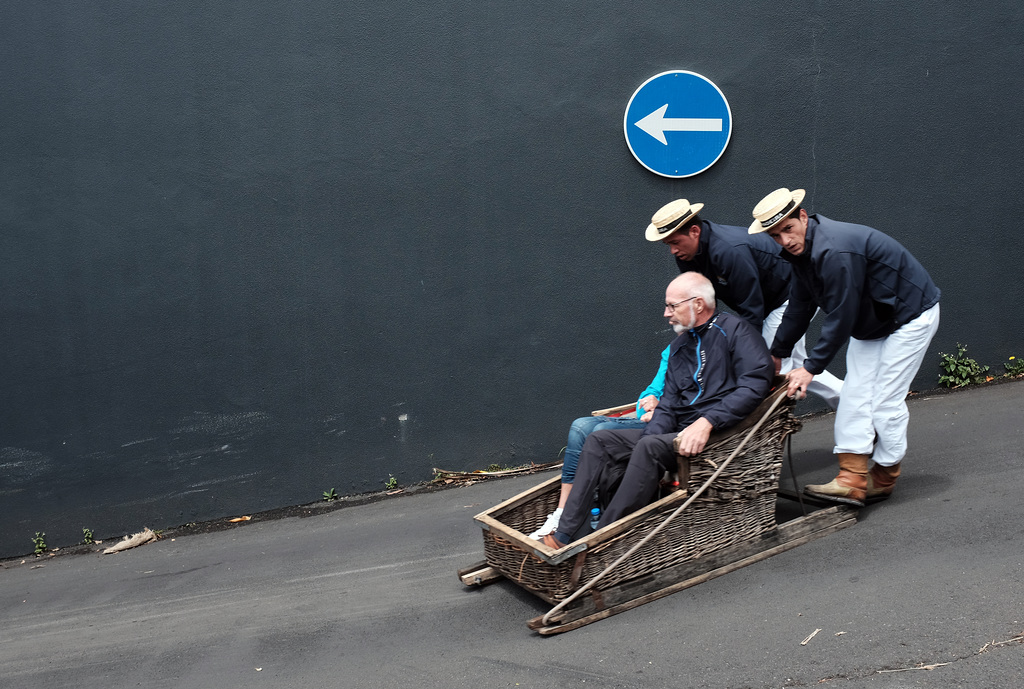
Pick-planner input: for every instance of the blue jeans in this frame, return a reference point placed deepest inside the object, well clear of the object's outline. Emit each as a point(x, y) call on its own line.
point(578, 432)
point(640, 460)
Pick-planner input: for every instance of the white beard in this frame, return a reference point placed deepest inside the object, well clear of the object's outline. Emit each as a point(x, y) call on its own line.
point(680, 328)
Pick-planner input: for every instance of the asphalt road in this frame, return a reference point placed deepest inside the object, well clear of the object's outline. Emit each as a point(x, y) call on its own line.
point(367, 596)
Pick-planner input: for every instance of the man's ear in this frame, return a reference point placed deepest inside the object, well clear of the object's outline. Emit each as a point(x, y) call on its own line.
point(695, 231)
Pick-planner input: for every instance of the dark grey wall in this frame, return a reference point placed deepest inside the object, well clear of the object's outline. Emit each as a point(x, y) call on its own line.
point(243, 241)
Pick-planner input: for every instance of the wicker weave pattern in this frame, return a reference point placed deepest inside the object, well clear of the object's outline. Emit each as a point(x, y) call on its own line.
point(738, 506)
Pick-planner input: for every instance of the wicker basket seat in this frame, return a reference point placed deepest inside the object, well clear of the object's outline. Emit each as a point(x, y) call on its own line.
point(738, 506)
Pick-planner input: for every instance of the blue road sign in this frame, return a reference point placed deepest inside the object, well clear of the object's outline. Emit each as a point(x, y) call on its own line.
point(677, 124)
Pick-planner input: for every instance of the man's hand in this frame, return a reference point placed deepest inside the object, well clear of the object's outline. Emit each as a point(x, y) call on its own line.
point(648, 403)
point(778, 364)
point(647, 416)
point(692, 439)
point(799, 379)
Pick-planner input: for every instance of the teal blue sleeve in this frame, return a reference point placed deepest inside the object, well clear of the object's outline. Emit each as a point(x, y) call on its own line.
point(657, 386)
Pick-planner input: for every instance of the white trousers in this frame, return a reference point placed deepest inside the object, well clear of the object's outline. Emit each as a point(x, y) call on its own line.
point(872, 417)
point(824, 385)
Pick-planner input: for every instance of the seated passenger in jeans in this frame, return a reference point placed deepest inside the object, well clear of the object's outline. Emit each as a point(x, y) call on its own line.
point(584, 426)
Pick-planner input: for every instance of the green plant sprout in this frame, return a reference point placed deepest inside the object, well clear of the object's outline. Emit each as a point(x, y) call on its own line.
point(391, 483)
point(960, 369)
point(39, 541)
point(1014, 367)
point(87, 537)
point(330, 495)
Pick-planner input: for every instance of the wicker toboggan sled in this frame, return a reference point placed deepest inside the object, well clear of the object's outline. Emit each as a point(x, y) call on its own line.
point(728, 523)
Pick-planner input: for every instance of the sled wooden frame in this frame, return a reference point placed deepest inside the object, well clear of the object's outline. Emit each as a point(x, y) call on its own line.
point(693, 567)
point(599, 604)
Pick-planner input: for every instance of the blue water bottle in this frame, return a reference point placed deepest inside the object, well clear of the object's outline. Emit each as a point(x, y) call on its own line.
point(595, 517)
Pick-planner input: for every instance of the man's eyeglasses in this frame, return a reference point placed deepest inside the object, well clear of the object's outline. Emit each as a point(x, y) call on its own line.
point(673, 306)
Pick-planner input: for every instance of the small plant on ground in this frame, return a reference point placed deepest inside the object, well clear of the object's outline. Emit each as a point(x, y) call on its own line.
point(39, 541)
point(391, 483)
point(960, 369)
point(330, 495)
point(1014, 367)
point(87, 536)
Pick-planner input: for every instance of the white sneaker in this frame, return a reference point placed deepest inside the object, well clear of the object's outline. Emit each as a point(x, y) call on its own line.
point(550, 525)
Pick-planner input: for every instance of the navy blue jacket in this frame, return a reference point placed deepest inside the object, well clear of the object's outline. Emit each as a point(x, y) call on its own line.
point(865, 282)
point(748, 274)
point(720, 370)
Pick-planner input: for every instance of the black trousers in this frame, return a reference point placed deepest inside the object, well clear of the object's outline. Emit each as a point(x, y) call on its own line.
point(639, 460)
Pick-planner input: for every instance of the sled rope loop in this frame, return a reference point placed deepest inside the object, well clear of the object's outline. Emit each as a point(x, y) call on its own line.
point(739, 448)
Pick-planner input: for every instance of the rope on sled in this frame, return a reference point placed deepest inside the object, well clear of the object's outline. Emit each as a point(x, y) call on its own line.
point(583, 589)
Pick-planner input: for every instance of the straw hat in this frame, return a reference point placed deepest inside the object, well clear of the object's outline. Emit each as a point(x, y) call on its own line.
point(774, 208)
point(671, 217)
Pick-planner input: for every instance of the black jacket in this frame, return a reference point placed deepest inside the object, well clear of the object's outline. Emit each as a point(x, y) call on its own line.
point(720, 370)
point(866, 283)
point(749, 275)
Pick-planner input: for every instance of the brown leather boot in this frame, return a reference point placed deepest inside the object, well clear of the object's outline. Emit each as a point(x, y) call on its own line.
point(850, 486)
point(881, 481)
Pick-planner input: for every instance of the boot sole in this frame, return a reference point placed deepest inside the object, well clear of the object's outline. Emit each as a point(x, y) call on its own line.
point(836, 498)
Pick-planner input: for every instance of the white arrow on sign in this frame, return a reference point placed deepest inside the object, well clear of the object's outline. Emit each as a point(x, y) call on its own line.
point(656, 124)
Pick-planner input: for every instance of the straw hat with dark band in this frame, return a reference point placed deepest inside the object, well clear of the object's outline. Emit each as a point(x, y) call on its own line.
point(774, 208)
point(671, 217)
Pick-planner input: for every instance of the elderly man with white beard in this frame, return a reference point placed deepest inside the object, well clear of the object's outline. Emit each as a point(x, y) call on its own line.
point(719, 370)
